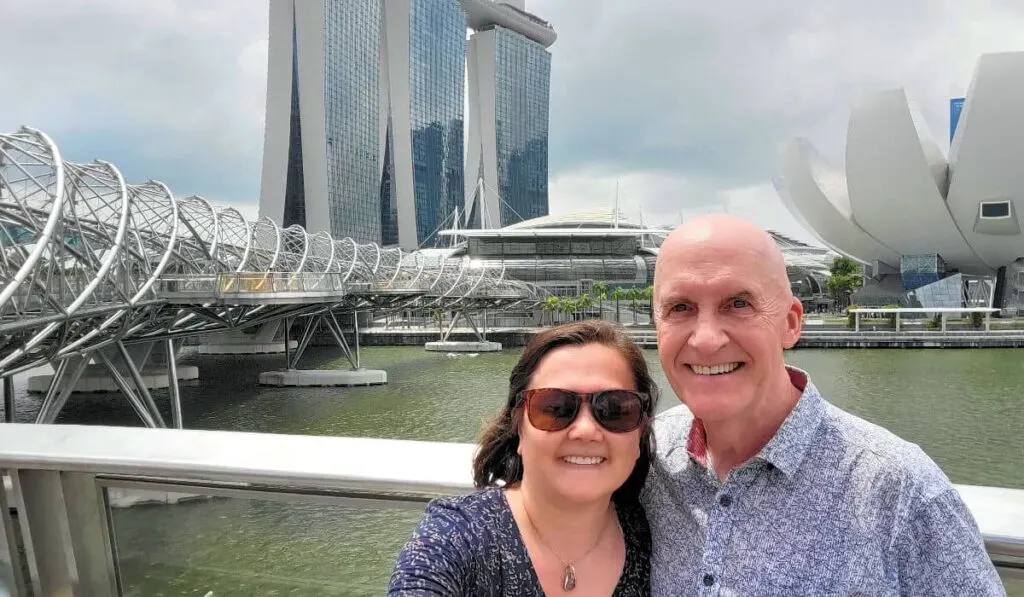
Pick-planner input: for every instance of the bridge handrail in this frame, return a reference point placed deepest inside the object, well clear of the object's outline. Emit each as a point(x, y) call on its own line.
point(77, 461)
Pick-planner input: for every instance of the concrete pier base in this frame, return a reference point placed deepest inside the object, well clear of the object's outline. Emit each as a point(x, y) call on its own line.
point(462, 346)
point(324, 377)
point(96, 378)
point(246, 347)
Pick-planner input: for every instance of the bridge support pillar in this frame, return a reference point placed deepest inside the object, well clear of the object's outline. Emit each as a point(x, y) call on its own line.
point(151, 359)
point(8, 399)
point(481, 344)
point(123, 365)
point(356, 375)
point(264, 341)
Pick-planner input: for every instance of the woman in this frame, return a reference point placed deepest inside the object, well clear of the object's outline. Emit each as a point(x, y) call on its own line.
point(559, 472)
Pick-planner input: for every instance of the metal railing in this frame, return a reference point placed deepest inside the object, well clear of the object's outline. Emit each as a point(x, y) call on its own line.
point(64, 480)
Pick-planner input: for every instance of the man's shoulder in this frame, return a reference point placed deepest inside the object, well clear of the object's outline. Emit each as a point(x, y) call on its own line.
point(671, 428)
point(881, 454)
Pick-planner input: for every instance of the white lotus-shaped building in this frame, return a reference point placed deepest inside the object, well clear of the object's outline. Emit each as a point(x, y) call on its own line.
point(910, 214)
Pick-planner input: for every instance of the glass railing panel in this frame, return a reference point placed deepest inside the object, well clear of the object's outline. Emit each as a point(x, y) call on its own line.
point(239, 546)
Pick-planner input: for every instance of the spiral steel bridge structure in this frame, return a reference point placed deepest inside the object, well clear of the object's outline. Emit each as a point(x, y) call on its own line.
point(90, 261)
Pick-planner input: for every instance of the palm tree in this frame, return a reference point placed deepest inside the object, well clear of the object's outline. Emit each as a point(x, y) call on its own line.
point(549, 305)
point(600, 290)
point(618, 295)
point(567, 305)
point(634, 295)
point(584, 302)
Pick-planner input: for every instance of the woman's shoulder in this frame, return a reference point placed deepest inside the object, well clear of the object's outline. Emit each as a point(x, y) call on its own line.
point(452, 550)
point(473, 516)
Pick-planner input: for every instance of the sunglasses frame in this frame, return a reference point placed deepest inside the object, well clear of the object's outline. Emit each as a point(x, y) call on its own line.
point(525, 397)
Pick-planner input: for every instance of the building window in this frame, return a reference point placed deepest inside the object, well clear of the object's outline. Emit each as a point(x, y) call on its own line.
point(995, 209)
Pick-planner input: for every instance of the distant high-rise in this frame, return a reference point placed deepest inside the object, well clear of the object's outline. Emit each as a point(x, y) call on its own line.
point(421, 118)
point(509, 72)
point(365, 117)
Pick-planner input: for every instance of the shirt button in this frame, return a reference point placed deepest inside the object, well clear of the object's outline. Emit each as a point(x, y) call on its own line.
point(709, 579)
point(725, 500)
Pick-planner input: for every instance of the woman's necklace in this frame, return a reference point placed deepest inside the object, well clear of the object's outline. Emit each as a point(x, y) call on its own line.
point(568, 570)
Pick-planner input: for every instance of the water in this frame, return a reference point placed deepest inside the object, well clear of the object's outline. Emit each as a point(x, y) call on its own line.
point(964, 407)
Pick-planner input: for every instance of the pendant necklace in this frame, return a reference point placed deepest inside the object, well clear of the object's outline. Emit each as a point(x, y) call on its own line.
point(568, 570)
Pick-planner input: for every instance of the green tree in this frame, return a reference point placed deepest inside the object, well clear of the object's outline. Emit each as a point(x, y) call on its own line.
point(600, 292)
point(635, 295)
point(550, 305)
point(846, 275)
point(584, 302)
point(618, 295)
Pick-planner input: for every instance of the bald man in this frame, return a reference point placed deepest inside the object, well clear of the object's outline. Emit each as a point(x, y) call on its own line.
point(760, 486)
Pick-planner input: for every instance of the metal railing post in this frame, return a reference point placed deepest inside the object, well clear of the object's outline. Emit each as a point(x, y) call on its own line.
point(11, 576)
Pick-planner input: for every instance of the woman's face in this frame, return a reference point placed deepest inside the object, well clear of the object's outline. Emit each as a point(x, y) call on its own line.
point(583, 462)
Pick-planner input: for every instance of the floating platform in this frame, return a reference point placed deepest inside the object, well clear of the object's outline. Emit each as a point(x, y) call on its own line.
point(462, 346)
point(303, 378)
point(245, 347)
point(96, 378)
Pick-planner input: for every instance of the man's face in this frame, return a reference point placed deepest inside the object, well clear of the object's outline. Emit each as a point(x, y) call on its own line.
point(722, 322)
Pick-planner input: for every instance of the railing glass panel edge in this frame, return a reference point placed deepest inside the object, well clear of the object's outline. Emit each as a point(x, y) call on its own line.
point(100, 511)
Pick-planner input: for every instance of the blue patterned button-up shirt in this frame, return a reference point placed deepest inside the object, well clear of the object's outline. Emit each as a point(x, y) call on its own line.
point(833, 505)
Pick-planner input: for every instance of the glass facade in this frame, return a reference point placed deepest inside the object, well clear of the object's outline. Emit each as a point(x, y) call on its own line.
point(295, 183)
point(919, 270)
point(617, 246)
point(388, 193)
point(437, 55)
point(522, 92)
point(555, 261)
point(945, 293)
point(351, 104)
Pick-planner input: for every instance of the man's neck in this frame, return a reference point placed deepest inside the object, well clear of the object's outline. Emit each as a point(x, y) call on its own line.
point(733, 442)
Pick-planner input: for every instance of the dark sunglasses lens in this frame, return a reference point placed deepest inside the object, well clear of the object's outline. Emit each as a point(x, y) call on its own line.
point(618, 410)
point(552, 410)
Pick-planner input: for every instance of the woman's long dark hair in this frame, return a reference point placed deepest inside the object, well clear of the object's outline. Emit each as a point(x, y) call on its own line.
point(498, 462)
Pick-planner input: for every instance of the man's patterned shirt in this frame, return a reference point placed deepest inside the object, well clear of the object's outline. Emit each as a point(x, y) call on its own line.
point(833, 505)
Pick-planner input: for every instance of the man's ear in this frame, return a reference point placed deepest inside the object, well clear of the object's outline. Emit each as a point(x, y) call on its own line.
point(794, 324)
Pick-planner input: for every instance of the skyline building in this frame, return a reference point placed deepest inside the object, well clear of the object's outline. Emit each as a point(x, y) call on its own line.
point(509, 73)
point(365, 117)
point(958, 239)
point(422, 66)
point(320, 151)
point(364, 125)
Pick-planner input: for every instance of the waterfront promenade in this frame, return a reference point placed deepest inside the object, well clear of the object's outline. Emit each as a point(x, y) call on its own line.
point(962, 406)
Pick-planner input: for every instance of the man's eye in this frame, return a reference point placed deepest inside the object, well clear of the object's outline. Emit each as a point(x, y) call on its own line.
point(680, 307)
point(740, 304)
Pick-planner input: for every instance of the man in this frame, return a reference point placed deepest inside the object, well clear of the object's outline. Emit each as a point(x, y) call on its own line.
point(761, 487)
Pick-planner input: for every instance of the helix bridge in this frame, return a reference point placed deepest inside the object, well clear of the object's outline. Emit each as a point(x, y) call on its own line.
point(92, 263)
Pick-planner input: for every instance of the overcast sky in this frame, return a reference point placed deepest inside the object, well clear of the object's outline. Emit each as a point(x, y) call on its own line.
point(682, 101)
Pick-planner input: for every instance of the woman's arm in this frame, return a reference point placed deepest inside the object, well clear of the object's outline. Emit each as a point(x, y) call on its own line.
point(437, 560)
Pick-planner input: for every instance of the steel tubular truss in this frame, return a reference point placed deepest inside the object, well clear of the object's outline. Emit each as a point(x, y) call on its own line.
point(91, 262)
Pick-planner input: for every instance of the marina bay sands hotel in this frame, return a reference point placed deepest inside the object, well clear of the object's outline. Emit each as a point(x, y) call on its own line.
point(365, 132)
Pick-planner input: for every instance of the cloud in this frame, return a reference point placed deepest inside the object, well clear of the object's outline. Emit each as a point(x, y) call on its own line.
point(172, 90)
point(683, 102)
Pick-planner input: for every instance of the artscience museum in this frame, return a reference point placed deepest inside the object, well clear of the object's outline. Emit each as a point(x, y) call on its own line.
point(932, 230)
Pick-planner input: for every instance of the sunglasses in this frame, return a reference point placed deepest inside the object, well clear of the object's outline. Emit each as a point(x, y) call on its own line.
point(554, 409)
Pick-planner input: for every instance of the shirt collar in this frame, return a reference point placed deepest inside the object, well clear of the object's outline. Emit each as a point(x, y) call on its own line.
point(788, 447)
